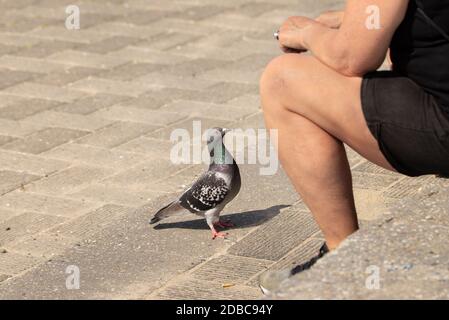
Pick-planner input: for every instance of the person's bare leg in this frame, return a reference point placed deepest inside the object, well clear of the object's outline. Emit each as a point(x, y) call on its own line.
point(314, 110)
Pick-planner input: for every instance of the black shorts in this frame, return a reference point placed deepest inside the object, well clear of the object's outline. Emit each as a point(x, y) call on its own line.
point(411, 128)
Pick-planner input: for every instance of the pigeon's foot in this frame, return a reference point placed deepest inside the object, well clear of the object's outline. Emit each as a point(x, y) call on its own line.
point(224, 224)
point(216, 234)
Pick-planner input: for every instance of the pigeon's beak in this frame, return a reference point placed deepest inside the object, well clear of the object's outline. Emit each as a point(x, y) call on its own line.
point(226, 130)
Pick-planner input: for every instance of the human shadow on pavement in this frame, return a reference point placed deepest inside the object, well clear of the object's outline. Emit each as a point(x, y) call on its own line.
point(241, 220)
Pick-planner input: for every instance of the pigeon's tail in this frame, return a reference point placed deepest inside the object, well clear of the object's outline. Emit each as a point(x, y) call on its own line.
point(169, 210)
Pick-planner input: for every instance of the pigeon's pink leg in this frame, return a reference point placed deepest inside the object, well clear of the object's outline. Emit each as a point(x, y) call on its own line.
point(217, 234)
point(224, 224)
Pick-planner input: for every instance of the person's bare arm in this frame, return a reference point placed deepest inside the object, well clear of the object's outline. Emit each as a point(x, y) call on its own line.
point(356, 47)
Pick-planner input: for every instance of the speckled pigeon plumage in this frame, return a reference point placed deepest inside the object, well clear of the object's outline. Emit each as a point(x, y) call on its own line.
point(210, 193)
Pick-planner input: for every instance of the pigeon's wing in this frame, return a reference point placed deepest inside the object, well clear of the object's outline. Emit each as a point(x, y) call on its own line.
point(206, 193)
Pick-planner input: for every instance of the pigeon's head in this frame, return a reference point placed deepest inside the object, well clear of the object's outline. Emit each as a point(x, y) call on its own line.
point(215, 137)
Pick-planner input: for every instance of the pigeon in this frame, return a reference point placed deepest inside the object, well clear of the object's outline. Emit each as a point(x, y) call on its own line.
point(213, 190)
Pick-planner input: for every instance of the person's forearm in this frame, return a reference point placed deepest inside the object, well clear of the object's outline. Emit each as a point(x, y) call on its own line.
point(336, 49)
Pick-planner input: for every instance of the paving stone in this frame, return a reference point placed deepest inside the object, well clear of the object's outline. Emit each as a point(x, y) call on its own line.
point(23, 109)
point(97, 85)
point(91, 104)
point(40, 91)
point(277, 237)
point(26, 64)
point(154, 99)
point(206, 290)
point(41, 245)
point(26, 224)
point(129, 71)
point(86, 59)
point(7, 100)
point(147, 146)
point(21, 201)
point(69, 180)
point(107, 45)
point(193, 67)
point(168, 40)
point(119, 28)
point(90, 155)
point(164, 80)
point(91, 223)
point(14, 263)
point(17, 39)
point(143, 175)
point(30, 163)
point(164, 133)
point(161, 118)
point(43, 140)
point(142, 54)
point(254, 9)
point(61, 33)
point(197, 109)
point(43, 49)
point(5, 139)
point(7, 214)
point(115, 195)
point(68, 120)
point(223, 92)
point(198, 13)
point(11, 77)
point(406, 187)
point(146, 17)
point(372, 181)
point(116, 134)
point(66, 76)
point(17, 128)
point(10, 180)
point(232, 76)
point(3, 277)
point(229, 269)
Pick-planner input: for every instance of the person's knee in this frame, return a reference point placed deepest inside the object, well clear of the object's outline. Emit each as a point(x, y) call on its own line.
point(275, 80)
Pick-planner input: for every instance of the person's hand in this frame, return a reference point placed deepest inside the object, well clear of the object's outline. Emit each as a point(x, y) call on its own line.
point(291, 33)
point(331, 19)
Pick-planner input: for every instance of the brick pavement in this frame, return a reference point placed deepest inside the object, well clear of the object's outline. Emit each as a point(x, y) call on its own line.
point(85, 118)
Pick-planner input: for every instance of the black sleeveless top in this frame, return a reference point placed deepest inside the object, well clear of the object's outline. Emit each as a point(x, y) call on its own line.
point(420, 52)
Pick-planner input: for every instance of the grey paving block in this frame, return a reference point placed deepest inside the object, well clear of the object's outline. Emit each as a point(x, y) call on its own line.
point(147, 146)
point(69, 180)
point(5, 139)
point(12, 77)
point(129, 71)
point(115, 194)
point(199, 13)
point(194, 67)
point(168, 40)
point(407, 187)
point(26, 224)
point(107, 45)
point(155, 117)
point(277, 237)
point(14, 263)
point(206, 122)
point(7, 214)
point(144, 175)
point(20, 201)
point(206, 290)
point(94, 85)
point(91, 155)
point(91, 223)
point(117, 133)
point(91, 103)
point(55, 119)
point(364, 180)
point(229, 269)
point(10, 180)
point(68, 75)
point(20, 162)
point(154, 99)
point(45, 48)
point(85, 59)
point(223, 92)
point(41, 245)
point(23, 109)
point(42, 91)
point(3, 277)
point(44, 140)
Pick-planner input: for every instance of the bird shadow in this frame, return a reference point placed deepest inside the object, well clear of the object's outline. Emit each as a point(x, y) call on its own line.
point(241, 220)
